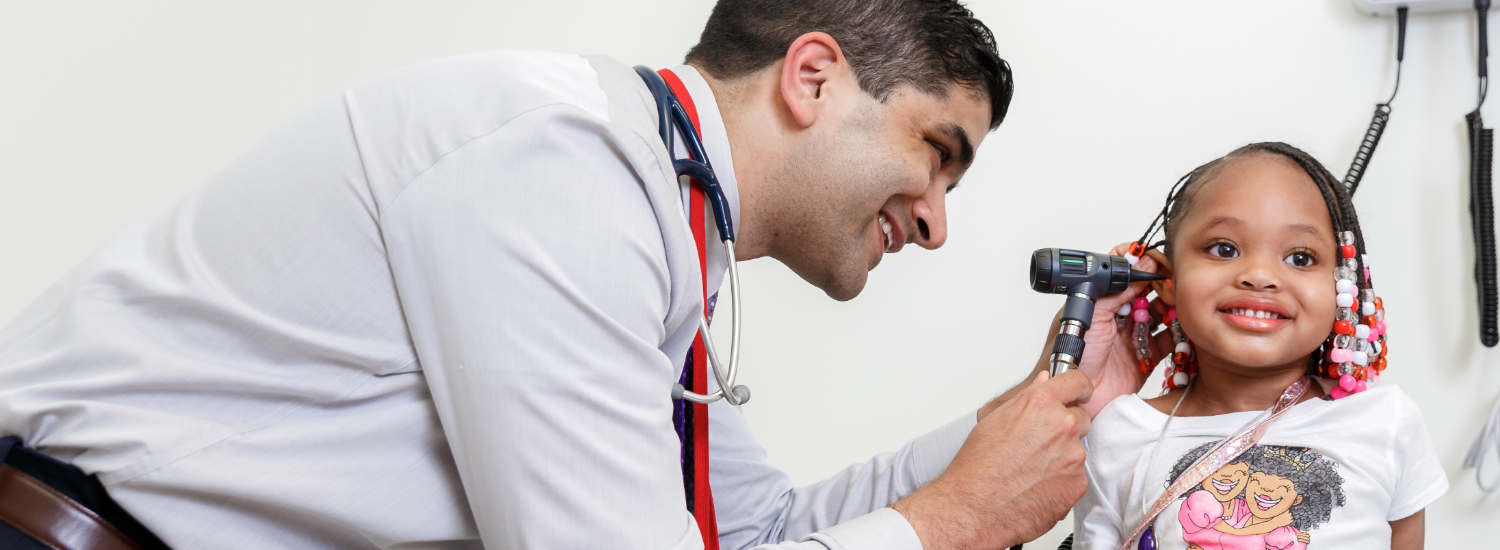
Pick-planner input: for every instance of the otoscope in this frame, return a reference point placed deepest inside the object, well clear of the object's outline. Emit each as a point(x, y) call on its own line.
point(1084, 277)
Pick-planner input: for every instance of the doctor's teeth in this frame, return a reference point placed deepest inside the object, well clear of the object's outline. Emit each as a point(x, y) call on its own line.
point(885, 228)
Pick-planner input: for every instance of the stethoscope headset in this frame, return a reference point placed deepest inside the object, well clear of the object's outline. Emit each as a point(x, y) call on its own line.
point(697, 167)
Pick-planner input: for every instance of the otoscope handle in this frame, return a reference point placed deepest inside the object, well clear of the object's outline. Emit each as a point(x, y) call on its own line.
point(1067, 349)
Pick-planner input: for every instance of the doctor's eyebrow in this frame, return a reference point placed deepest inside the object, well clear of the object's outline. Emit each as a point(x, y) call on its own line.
point(965, 148)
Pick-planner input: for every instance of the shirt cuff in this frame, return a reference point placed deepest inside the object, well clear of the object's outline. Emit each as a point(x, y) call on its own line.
point(931, 453)
point(883, 529)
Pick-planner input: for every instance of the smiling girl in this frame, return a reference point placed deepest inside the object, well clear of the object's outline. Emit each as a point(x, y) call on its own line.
point(1254, 245)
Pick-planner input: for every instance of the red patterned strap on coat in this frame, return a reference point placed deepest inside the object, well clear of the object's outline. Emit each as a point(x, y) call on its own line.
point(703, 497)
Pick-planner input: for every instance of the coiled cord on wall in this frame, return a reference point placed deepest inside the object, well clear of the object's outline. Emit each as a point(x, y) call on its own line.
point(1482, 211)
point(1367, 146)
point(1481, 196)
point(1382, 114)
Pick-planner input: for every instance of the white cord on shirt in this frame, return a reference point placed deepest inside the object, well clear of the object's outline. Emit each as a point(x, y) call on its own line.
point(1487, 440)
point(1163, 435)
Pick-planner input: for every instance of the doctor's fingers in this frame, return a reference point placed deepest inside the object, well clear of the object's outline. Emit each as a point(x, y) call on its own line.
point(1067, 388)
point(1081, 422)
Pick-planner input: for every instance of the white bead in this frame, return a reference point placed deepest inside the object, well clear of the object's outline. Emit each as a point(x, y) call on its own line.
point(1361, 358)
point(1375, 348)
point(1124, 310)
point(1367, 308)
point(1131, 259)
point(1345, 299)
point(1364, 259)
point(1361, 331)
point(1180, 379)
point(1344, 286)
point(1184, 347)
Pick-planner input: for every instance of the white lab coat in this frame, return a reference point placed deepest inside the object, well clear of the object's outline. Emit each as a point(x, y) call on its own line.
point(446, 304)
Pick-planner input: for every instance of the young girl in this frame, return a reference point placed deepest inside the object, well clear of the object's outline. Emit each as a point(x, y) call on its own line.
point(1268, 284)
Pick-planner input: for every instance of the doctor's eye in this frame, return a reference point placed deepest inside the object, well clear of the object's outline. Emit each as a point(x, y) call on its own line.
point(1223, 250)
point(1300, 258)
point(942, 153)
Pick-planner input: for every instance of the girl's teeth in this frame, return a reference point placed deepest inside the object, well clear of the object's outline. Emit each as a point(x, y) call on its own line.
point(1255, 313)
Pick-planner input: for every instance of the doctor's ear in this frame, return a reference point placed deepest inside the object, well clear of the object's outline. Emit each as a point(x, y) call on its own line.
point(814, 64)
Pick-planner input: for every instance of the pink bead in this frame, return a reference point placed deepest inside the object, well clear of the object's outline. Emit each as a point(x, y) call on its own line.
point(1141, 303)
point(1380, 328)
point(1338, 393)
point(1141, 315)
point(1359, 387)
point(1374, 377)
point(1171, 316)
point(1340, 355)
point(1367, 274)
point(1347, 382)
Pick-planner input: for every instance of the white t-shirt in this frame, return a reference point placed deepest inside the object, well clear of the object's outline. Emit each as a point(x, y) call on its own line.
point(1348, 468)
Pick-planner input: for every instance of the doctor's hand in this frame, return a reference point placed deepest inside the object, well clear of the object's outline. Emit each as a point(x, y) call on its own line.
point(1109, 351)
point(1016, 475)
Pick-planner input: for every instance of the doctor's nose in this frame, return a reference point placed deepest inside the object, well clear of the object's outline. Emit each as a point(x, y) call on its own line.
point(931, 221)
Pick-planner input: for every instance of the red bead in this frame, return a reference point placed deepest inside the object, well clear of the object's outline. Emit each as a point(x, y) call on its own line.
point(1180, 357)
point(1331, 371)
point(1348, 250)
point(1343, 327)
point(1146, 366)
point(1378, 303)
point(1384, 348)
point(1379, 365)
point(1137, 249)
point(1359, 373)
point(1369, 320)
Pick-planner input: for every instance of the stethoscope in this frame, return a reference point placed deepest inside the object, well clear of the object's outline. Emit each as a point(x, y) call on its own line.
point(671, 114)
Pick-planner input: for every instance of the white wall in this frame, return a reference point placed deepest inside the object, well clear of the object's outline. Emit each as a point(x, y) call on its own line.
point(108, 111)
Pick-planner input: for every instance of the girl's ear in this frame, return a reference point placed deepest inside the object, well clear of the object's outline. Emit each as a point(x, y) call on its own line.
point(1165, 289)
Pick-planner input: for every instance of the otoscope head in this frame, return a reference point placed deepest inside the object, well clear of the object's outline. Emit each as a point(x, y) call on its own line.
point(1060, 270)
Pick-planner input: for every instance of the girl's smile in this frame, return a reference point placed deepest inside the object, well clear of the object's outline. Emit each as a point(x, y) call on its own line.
point(1255, 314)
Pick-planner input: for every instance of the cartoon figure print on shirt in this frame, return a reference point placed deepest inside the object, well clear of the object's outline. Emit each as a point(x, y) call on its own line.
point(1270, 498)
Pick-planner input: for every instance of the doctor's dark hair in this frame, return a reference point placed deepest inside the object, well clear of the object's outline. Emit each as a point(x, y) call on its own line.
point(926, 44)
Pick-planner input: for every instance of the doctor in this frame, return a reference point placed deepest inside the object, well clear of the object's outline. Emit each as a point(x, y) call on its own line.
point(445, 308)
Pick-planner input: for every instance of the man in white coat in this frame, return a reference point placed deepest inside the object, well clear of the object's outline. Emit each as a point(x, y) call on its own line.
point(446, 307)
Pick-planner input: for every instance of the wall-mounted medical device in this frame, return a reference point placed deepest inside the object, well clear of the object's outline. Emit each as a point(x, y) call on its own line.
point(1388, 7)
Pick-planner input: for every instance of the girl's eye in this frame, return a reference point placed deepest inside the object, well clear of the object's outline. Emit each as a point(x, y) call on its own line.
point(1224, 250)
point(1299, 259)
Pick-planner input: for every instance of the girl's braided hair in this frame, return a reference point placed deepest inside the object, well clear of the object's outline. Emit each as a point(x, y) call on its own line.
point(1335, 196)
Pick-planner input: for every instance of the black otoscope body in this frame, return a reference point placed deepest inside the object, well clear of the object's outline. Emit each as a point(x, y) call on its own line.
point(1083, 277)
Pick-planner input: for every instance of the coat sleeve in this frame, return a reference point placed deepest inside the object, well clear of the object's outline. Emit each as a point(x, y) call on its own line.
point(757, 505)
